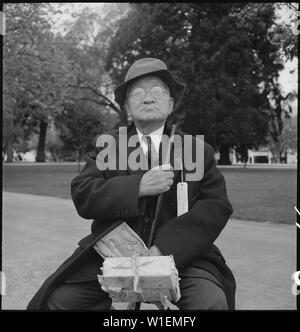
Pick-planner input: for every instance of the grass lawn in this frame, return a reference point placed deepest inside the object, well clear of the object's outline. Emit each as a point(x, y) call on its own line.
point(256, 194)
point(262, 194)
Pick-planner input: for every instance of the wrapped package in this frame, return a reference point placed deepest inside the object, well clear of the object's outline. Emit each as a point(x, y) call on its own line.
point(140, 278)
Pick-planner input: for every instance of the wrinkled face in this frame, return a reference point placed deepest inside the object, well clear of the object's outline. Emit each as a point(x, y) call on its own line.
point(148, 99)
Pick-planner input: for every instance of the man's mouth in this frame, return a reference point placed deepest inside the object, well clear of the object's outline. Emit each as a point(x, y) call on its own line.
point(150, 108)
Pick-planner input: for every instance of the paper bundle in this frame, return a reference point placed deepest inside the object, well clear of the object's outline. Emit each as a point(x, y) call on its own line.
point(120, 242)
point(140, 279)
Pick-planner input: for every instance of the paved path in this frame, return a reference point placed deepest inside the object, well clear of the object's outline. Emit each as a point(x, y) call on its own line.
point(37, 238)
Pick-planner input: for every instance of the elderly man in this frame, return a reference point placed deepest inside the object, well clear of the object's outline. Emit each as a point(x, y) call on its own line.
point(149, 95)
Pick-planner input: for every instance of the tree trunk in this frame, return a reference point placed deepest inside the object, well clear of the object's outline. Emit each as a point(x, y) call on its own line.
point(52, 153)
point(40, 156)
point(8, 139)
point(244, 155)
point(285, 156)
point(9, 151)
point(224, 155)
point(276, 155)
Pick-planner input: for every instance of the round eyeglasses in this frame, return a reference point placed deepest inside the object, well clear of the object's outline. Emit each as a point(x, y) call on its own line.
point(138, 94)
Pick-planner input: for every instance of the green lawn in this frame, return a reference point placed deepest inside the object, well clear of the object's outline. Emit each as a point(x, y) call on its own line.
point(256, 194)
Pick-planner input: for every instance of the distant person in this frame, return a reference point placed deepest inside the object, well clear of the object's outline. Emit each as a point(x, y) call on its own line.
point(149, 95)
point(19, 156)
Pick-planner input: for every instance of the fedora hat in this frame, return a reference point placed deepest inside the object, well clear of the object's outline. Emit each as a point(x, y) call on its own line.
point(149, 66)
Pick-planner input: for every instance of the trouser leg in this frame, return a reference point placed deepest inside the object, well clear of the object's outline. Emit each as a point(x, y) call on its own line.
point(196, 294)
point(201, 294)
point(79, 296)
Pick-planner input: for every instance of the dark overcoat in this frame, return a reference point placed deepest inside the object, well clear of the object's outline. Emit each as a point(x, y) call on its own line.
point(110, 197)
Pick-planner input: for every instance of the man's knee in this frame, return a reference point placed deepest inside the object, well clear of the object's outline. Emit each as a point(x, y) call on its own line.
point(218, 301)
point(79, 296)
point(62, 298)
point(201, 294)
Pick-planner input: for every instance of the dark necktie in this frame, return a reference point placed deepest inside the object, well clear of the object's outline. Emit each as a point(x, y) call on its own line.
point(151, 154)
point(151, 200)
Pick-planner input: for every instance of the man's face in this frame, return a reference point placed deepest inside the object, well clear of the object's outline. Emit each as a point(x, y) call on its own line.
point(148, 99)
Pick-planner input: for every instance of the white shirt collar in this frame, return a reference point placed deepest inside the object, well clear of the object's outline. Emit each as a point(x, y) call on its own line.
point(156, 136)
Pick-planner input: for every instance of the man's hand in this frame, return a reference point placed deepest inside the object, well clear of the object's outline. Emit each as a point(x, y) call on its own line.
point(156, 181)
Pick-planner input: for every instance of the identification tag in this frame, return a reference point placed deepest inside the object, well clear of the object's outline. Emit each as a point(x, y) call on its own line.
point(182, 198)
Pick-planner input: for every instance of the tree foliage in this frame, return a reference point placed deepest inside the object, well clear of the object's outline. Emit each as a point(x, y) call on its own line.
point(36, 70)
point(87, 43)
point(228, 54)
point(88, 107)
point(77, 127)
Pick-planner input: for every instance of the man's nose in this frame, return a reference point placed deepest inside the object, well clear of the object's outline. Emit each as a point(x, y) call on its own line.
point(148, 97)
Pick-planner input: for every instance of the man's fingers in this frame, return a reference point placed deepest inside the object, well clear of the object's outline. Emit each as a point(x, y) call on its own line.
point(156, 182)
point(166, 182)
point(165, 188)
point(169, 174)
point(163, 174)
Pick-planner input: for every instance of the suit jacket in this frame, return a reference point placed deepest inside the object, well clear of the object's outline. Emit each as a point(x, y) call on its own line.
point(110, 197)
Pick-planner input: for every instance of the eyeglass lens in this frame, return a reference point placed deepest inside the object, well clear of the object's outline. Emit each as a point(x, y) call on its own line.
point(138, 94)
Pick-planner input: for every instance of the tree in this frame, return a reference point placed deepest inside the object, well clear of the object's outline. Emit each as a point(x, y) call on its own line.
point(86, 43)
point(281, 113)
point(36, 71)
point(78, 125)
point(222, 51)
point(289, 134)
point(284, 29)
point(53, 143)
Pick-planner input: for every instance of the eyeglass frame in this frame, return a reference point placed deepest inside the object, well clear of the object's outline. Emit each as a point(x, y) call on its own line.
point(148, 90)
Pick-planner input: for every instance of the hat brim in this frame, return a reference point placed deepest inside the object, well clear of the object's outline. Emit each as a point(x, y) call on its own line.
point(176, 88)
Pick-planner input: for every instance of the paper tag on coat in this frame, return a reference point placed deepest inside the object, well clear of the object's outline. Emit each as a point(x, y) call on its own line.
point(182, 198)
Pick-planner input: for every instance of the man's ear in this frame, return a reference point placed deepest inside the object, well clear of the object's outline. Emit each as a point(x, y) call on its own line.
point(171, 105)
point(126, 105)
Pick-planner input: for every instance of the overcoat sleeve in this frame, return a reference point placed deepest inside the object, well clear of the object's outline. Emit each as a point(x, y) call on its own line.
point(190, 235)
point(96, 196)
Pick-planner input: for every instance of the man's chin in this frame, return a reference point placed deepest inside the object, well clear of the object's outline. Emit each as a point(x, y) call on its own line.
point(150, 118)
